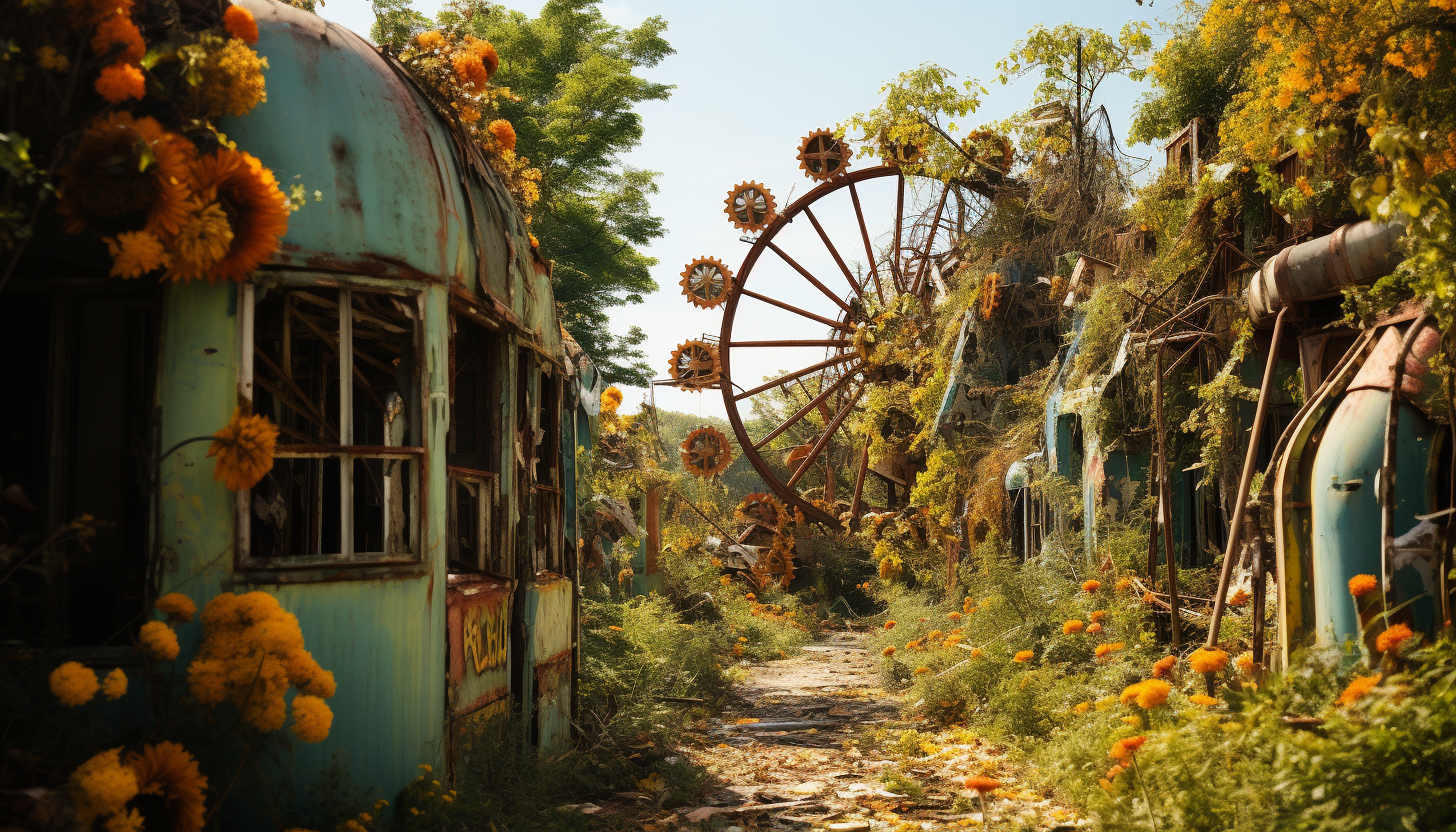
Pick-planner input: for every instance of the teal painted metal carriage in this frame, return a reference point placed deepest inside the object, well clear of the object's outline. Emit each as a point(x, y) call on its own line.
point(419, 517)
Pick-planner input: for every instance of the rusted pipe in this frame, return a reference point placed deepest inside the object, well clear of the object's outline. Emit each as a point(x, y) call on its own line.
point(1256, 551)
point(1241, 497)
point(1165, 502)
point(1386, 492)
point(1320, 268)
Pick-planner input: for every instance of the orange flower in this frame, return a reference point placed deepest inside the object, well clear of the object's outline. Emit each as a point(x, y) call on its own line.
point(1238, 599)
point(115, 31)
point(921, 670)
point(1103, 649)
point(1204, 660)
point(535, 243)
point(135, 253)
point(954, 616)
point(1124, 584)
point(503, 133)
point(1092, 585)
point(1203, 699)
point(169, 772)
point(471, 72)
point(484, 52)
point(1094, 627)
point(1098, 615)
point(889, 651)
point(1073, 626)
point(890, 625)
point(977, 653)
point(105, 197)
point(1392, 638)
point(983, 784)
point(1245, 661)
point(429, 41)
point(256, 210)
point(245, 450)
point(1163, 667)
point(159, 640)
point(1152, 693)
point(1362, 585)
point(176, 606)
point(121, 81)
point(1123, 749)
point(1023, 656)
point(1357, 690)
point(240, 24)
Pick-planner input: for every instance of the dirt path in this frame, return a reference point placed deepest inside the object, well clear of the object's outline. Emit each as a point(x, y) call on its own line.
point(814, 742)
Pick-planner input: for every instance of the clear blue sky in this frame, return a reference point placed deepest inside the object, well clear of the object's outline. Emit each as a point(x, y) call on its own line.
point(754, 76)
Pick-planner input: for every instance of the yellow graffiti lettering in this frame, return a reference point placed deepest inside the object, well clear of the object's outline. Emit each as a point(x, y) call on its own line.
point(485, 637)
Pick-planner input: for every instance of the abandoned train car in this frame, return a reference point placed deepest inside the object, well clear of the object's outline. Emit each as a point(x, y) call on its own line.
point(420, 515)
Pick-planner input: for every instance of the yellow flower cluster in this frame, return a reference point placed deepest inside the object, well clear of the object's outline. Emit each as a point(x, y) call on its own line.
point(159, 640)
point(176, 606)
point(252, 651)
point(102, 786)
point(244, 451)
point(1146, 694)
point(1204, 660)
point(74, 684)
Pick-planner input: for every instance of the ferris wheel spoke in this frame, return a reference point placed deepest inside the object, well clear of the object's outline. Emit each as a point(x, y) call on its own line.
point(824, 438)
point(930, 242)
point(899, 231)
point(839, 325)
point(864, 233)
point(817, 401)
point(809, 277)
point(834, 342)
point(767, 385)
point(853, 284)
point(859, 480)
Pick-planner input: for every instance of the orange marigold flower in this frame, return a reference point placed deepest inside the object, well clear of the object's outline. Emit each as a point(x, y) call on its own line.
point(483, 50)
point(983, 784)
point(889, 651)
point(1123, 749)
point(232, 81)
point(1358, 688)
point(159, 640)
point(1094, 627)
point(115, 31)
point(176, 606)
point(114, 685)
point(74, 684)
point(535, 243)
point(922, 669)
point(244, 451)
point(1103, 649)
point(1392, 638)
point(470, 71)
point(1163, 668)
point(429, 41)
point(1238, 599)
point(977, 653)
point(1073, 626)
point(890, 625)
point(1152, 693)
point(503, 133)
point(1092, 585)
point(240, 24)
point(101, 786)
point(1023, 656)
point(1203, 699)
point(312, 718)
point(1082, 707)
point(1245, 661)
point(954, 616)
point(135, 253)
point(1362, 585)
point(1149, 598)
point(121, 81)
point(169, 772)
point(1124, 584)
point(1097, 615)
point(258, 212)
point(1204, 660)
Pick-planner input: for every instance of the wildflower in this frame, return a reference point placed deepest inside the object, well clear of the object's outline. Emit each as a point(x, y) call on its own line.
point(176, 606)
point(888, 651)
point(1124, 584)
point(1238, 599)
point(1362, 585)
point(1125, 748)
point(429, 41)
point(976, 653)
point(1163, 668)
point(169, 772)
point(240, 24)
point(1204, 660)
point(1022, 656)
point(921, 670)
point(722, 579)
point(1358, 688)
point(1097, 615)
point(101, 786)
point(1073, 626)
point(470, 71)
point(232, 81)
point(134, 253)
point(1092, 585)
point(1245, 661)
point(611, 399)
point(535, 243)
point(1392, 638)
point(119, 31)
point(74, 684)
point(244, 451)
point(312, 718)
point(1094, 627)
point(1203, 699)
point(954, 616)
point(503, 133)
point(121, 81)
point(159, 640)
point(983, 784)
point(485, 52)
point(426, 768)
point(47, 57)
point(201, 242)
point(890, 625)
point(114, 685)
point(1116, 769)
point(1134, 721)
point(1152, 694)
point(105, 197)
point(257, 212)
point(1103, 649)
point(1082, 707)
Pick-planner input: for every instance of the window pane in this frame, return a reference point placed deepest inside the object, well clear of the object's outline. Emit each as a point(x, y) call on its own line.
point(386, 393)
point(296, 363)
point(384, 505)
point(296, 509)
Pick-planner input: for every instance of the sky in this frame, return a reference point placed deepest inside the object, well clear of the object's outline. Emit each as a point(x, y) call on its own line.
point(752, 77)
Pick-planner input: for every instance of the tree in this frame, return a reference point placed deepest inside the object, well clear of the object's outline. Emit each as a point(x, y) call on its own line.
point(573, 100)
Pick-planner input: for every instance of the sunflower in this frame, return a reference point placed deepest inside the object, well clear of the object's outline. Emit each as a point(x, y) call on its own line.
point(126, 174)
point(245, 450)
point(256, 210)
point(169, 786)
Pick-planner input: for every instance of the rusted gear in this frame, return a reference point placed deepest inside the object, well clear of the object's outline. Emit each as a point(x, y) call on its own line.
point(750, 207)
point(706, 282)
point(990, 295)
point(823, 155)
point(706, 452)
point(694, 365)
point(759, 507)
point(778, 561)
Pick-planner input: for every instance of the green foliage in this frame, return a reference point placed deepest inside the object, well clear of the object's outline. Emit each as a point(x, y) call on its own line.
point(918, 116)
point(1196, 76)
point(1073, 61)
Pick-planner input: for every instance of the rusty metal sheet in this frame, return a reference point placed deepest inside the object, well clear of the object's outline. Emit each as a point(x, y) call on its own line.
point(478, 617)
point(553, 702)
point(548, 606)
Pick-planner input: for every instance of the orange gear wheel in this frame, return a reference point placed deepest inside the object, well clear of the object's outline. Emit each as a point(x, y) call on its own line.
point(706, 282)
point(990, 295)
point(823, 155)
point(759, 507)
point(750, 207)
point(776, 565)
point(694, 365)
point(706, 452)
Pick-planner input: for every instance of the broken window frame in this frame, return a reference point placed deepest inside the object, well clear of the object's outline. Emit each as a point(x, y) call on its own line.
point(346, 453)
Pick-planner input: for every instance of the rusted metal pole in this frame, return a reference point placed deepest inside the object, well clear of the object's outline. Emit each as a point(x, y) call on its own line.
point(1388, 463)
point(809, 277)
point(1165, 502)
point(824, 439)
point(787, 377)
point(1241, 498)
point(864, 464)
point(844, 327)
point(864, 234)
point(823, 342)
point(834, 252)
point(817, 401)
point(1256, 551)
